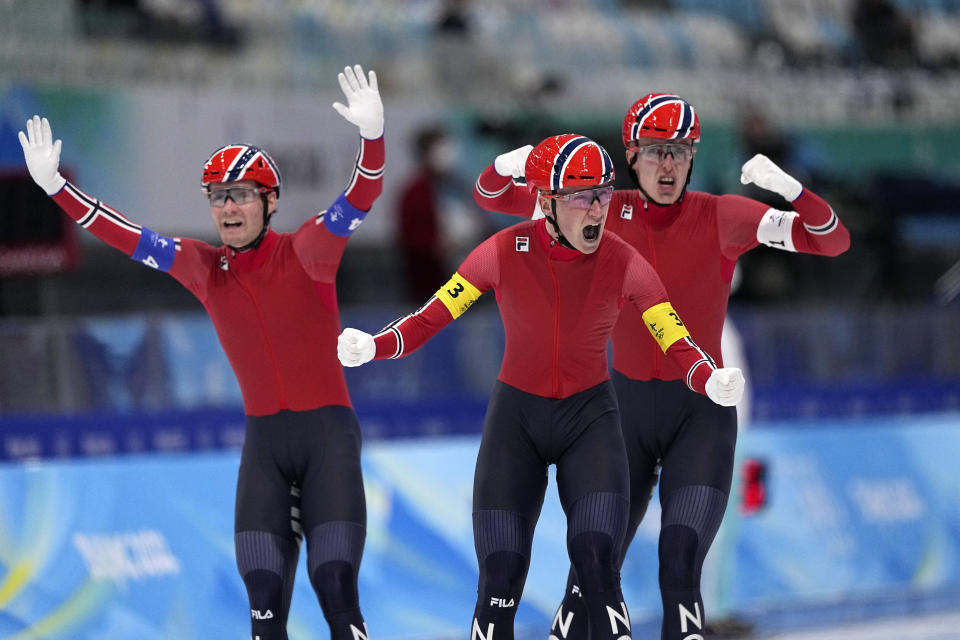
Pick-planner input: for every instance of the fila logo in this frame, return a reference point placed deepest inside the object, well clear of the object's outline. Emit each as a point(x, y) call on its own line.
point(626, 212)
point(255, 613)
point(501, 602)
point(523, 244)
point(576, 591)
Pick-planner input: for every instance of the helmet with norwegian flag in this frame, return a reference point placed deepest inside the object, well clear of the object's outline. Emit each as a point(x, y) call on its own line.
point(661, 115)
point(236, 162)
point(568, 161)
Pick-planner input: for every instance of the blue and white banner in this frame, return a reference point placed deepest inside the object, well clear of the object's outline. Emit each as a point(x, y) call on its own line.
point(141, 546)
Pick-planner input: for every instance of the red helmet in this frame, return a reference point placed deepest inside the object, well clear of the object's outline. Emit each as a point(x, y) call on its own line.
point(236, 162)
point(661, 115)
point(568, 161)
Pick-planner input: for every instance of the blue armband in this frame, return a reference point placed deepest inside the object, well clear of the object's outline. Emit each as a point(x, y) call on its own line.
point(342, 218)
point(155, 250)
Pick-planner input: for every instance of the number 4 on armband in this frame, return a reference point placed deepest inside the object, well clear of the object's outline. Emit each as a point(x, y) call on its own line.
point(150, 262)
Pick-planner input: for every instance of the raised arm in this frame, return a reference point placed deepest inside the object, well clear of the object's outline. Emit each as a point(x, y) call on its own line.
point(812, 226)
point(642, 288)
point(476, 274)
point(320, 242)
point(502, 187)
point(42, 155)
point(364, 109)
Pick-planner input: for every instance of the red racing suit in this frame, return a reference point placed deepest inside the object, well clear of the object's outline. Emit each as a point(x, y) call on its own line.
point(274, 307)
point(558, 307)
point(693, 246)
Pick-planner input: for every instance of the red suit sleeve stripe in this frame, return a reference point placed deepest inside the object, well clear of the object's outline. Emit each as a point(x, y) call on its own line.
point(490, 195)
point(366, 180)
point(96, 209)
point(494, 192)
point(407, 334)
point(101, 220)
point(822, 231)
point(826, 227)
point(690, 357)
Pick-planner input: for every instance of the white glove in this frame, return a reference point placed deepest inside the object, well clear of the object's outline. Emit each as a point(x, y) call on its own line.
point(365, 109)
point(355, 347)
point(761, 171)
point(725, 386)
point(513, 163)
point(42, 155)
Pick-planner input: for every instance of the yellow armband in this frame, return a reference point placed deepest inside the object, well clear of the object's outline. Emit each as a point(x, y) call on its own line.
point(457, 295)
point(665, 325)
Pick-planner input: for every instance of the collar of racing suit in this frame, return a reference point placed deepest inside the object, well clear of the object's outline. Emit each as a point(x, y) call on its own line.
point(661, 216)
point(554, 249)
point(253, 259)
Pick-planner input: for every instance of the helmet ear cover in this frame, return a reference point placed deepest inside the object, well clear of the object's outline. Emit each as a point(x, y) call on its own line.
point(236, 162)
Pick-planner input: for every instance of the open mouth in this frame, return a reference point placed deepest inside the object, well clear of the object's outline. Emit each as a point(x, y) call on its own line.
point(232, 224)
point(591, 232)
point(667, 182)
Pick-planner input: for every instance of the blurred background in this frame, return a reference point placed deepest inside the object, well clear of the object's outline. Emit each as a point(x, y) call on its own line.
point(121, 421)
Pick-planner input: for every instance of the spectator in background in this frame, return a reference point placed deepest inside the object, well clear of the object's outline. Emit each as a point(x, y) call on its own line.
point(757, 134)
point(771, 275)
point(886, 39)
point(178, 21)
point(464, 65)
point(435, 216)
point(885, 35)
point(419, 231)
point(453, 19)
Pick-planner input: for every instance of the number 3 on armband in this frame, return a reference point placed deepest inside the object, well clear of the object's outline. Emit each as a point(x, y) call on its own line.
point(676, 318)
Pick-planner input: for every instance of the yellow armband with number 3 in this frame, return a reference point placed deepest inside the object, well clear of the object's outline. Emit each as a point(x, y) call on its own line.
point(457, 295)
point(664, 324)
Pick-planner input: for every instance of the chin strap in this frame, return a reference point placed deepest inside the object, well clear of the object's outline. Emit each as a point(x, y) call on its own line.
point(649, 199)
point(556, 227)
point(263, 232)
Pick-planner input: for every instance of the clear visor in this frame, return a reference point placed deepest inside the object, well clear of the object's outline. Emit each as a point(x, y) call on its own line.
point(655, 153)
point(240, 195)
point(585, 199)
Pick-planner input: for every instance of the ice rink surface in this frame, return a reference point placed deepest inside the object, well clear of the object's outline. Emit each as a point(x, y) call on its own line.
point(934, 626)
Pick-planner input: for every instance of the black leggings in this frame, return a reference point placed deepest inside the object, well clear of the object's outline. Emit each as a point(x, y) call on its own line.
point(688, 441)
point(682, 434)
point(522, 435)
point(300, 476)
